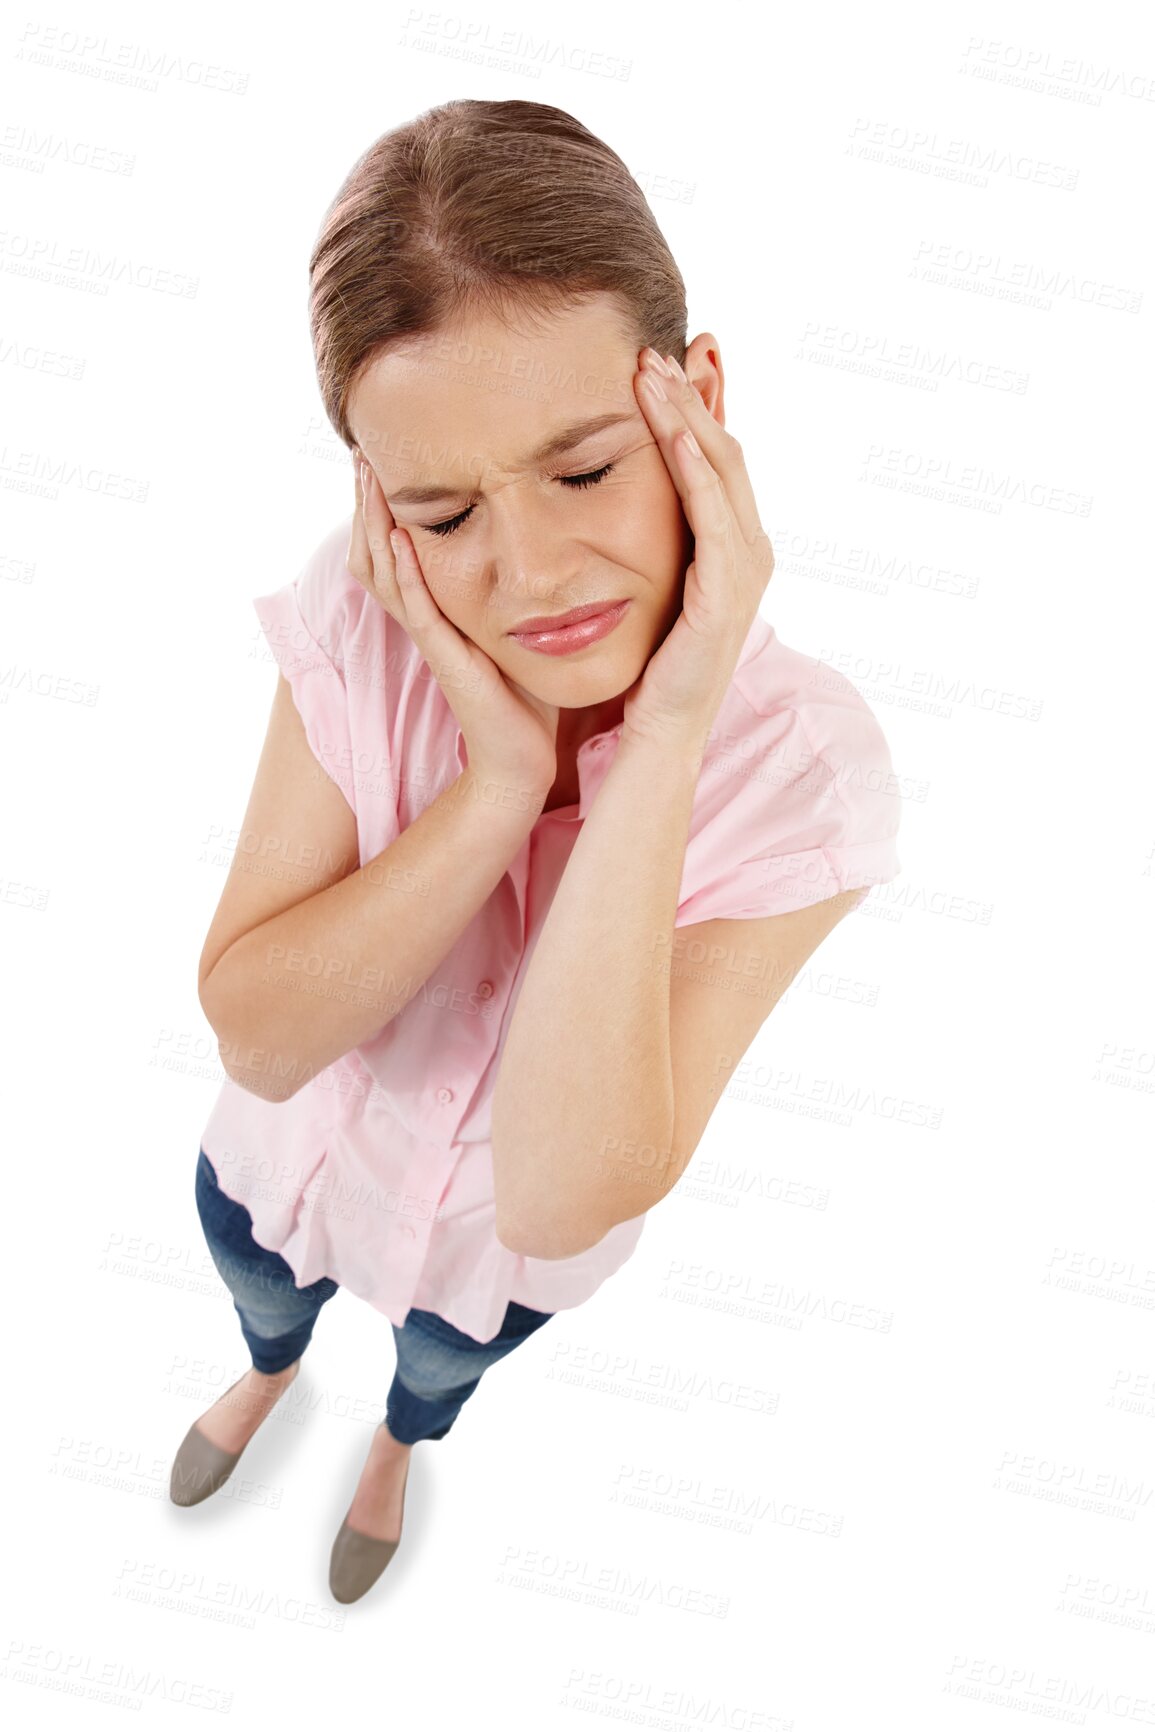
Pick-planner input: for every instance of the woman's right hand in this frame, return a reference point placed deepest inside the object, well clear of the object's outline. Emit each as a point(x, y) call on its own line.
point(511, 737)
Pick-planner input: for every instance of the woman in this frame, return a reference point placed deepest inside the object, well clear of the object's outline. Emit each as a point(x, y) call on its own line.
point(456, 970)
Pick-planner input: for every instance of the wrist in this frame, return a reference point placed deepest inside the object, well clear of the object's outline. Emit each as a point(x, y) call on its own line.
point(670, 751)
point(503, 792)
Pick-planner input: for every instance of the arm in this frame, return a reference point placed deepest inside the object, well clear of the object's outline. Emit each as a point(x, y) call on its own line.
point(586, 1066)
point(619, 1050)
point(289, 989)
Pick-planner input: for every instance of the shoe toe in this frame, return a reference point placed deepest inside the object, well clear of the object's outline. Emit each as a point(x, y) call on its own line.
point(356, 1562)
point(199, 1468)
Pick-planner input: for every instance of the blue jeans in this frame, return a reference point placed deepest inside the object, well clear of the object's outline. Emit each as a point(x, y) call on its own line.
point(438, 1367)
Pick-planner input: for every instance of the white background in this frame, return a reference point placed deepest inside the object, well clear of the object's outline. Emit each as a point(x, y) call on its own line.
point(718, 1494)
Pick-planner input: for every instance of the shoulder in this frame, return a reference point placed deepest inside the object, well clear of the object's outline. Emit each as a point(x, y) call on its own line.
point(334, 620)
point(797, 800)
point(332, 604)
point(779, 681)
point(812, 742)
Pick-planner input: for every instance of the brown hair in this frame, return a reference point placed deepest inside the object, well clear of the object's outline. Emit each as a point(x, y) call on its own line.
point(506, 208)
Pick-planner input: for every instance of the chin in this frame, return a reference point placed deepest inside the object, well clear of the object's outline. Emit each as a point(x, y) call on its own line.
point(581, 689)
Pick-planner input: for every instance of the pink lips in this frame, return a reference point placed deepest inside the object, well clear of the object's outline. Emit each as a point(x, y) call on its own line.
point(555, 621)
point(584, 625)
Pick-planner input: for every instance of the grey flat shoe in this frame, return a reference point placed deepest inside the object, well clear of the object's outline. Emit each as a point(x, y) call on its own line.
point(357, 1559)
point(199, 1468)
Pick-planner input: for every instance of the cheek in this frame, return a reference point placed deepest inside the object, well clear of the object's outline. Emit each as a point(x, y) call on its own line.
point(451, 578)
point(642, 518)
point(663, 500)
point(660, 536)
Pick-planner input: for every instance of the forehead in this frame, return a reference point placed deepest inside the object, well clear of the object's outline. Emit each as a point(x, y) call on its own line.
point(482, 394)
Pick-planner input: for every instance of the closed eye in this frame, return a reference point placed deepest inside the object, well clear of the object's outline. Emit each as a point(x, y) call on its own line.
point(589, 479)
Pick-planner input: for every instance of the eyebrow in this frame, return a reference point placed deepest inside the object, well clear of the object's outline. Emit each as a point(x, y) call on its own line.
point(556, 446)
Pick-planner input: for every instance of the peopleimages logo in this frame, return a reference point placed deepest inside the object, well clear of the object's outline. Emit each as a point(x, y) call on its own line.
point(953, 158)
point(879, 355)
point(996, 486)
point(1074, 79)
point(991, 274)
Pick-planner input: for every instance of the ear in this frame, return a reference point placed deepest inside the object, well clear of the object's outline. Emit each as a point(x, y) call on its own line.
point(703, 368)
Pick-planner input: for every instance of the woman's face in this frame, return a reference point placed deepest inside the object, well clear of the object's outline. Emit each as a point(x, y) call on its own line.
point(504, 533)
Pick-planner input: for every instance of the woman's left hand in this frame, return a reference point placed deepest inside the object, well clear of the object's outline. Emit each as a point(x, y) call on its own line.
point(682, 687)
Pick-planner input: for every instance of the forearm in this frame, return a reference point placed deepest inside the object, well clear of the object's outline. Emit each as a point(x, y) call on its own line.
point(585, 1068)
point(300, 990)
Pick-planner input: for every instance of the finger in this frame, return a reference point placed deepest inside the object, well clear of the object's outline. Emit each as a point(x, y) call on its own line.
point(449, 654)
point(400, 580)
point(684, 407)
point(704, 496)
point(359, 559)
point(704, 499)
point(376, 567)
point(355, 559)
point(722, 449)
point(385, 554)
point(421, 611)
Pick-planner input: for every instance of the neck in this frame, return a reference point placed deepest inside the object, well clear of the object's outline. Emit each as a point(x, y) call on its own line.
point(575, 727)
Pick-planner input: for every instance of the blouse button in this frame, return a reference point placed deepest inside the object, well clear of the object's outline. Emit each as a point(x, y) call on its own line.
point(485, 988)
point(445, 1096)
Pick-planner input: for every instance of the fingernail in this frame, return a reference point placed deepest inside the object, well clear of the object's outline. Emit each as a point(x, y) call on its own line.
point(364, 476)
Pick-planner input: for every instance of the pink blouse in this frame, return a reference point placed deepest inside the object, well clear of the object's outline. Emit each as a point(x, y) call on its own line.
point(378, 1173)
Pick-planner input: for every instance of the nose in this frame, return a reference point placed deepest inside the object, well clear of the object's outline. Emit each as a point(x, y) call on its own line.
point(528, 559)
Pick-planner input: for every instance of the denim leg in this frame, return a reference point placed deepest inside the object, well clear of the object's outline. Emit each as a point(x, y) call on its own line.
point(276, 1316)
point(439, 1367)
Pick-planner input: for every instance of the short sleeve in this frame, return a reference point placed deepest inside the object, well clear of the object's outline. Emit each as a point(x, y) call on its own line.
point(792, 824)
point(303, 623)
